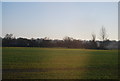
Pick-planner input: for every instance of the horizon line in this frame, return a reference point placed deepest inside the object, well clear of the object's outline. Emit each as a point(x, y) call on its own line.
point(58, 38)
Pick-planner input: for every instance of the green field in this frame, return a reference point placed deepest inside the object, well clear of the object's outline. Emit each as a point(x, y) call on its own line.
point(59, 63)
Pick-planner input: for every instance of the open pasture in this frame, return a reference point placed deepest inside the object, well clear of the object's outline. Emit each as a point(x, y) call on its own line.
point(59, 63)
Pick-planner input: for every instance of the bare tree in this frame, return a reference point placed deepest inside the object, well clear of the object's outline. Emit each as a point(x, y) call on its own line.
point(46, 38)
point(103, 34)
point(93, 37)
point(68, 38)
point(68, 41)
point(93, 44)
point(8, 36)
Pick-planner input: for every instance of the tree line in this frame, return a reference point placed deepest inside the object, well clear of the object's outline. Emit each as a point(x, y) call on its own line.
point(67, 42)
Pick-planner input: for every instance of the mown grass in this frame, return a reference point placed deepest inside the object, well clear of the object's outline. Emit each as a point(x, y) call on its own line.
point(59, 63)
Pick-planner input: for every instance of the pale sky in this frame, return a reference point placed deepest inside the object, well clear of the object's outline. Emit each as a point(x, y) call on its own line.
point(59, 19)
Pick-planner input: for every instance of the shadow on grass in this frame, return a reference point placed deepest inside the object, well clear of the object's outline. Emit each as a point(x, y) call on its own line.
point(102, 65)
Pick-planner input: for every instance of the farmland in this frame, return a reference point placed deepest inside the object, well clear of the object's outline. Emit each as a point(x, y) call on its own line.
point(58, 63)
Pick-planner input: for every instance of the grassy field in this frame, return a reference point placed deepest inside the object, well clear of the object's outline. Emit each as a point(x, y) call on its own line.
point(59, 63)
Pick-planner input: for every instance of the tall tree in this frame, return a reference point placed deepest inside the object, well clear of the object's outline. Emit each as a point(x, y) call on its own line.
point(93, 43)
point(104, 37)
point(103, 34)
point(93, 37)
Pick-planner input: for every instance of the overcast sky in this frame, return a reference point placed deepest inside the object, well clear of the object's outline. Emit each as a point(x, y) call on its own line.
point(59, 19)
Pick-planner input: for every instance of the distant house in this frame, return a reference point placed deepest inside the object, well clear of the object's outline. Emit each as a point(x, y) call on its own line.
point(112, 45)
point(107, 45)
point(98, 44)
